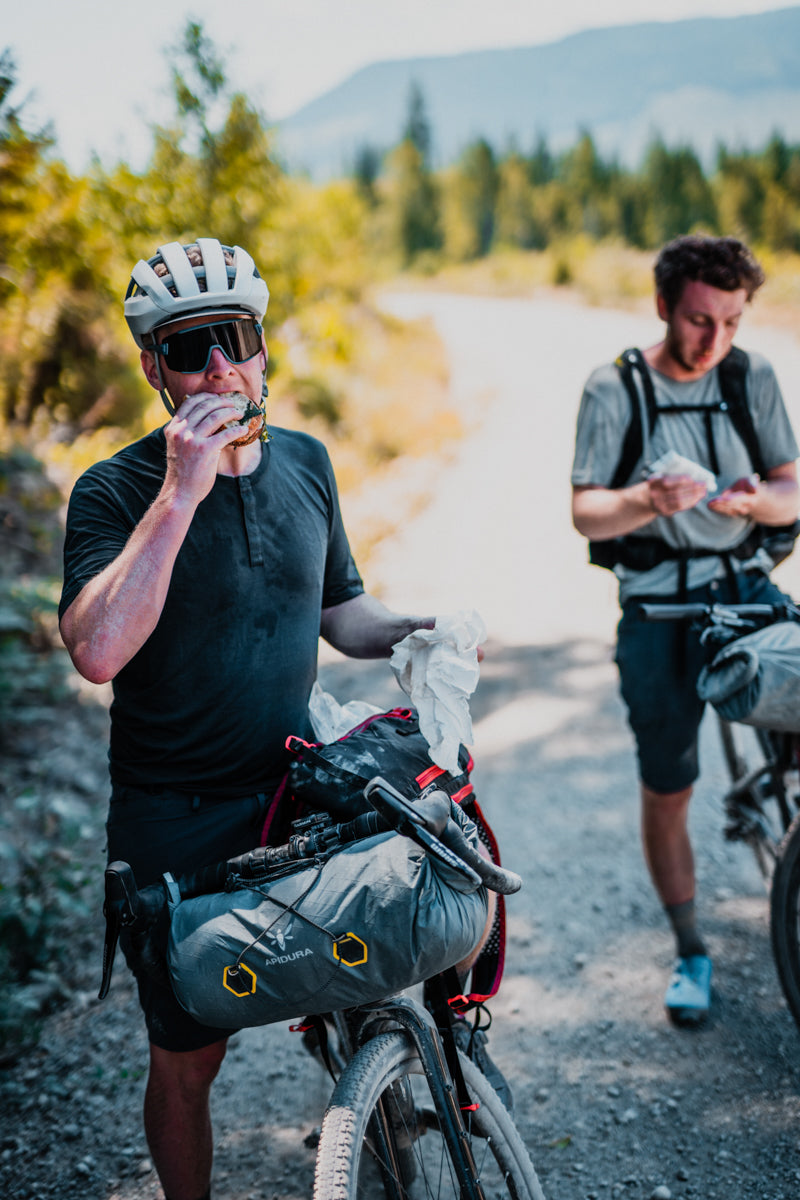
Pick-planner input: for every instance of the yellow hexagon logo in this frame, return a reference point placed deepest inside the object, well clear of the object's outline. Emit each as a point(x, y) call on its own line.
point(349, 950)
point(239, 980)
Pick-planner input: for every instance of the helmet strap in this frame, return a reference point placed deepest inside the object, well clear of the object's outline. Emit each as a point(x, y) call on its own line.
point(168, 405)
point(162, 391)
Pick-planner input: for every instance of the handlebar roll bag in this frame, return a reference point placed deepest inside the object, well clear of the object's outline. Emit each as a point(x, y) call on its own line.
point(332, 776)
point(377, 917)
point(756, 679)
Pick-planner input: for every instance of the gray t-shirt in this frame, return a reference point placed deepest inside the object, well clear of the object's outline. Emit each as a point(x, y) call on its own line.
point(603, 417)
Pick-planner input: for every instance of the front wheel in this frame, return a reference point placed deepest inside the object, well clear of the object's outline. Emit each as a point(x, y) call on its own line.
point(382, 1137)
point(785, 917)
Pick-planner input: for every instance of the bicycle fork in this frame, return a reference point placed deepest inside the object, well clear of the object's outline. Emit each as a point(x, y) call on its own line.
point(444, 1092)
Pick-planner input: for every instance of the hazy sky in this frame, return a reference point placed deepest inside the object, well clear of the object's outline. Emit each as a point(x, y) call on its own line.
point(100, 72)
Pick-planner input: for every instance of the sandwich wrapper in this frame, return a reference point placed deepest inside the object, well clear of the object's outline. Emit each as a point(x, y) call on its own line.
point(438, 670)
point(331, 720)
point(672, 463)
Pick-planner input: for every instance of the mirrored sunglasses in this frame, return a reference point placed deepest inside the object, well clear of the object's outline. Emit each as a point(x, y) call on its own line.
point(189, 351)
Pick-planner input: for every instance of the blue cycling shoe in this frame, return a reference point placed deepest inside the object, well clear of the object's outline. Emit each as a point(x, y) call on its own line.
point(688, 997)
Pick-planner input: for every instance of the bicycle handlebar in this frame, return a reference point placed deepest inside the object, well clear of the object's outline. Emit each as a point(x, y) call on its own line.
point(443, 834)
point(427, 822)
point(317, 837)
point(719, 614)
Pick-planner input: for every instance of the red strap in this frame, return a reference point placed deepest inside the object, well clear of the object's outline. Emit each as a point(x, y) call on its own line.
point(428, 775)
point(486, 830)
point(294, 743)
point(272, 810)
point(403, 714)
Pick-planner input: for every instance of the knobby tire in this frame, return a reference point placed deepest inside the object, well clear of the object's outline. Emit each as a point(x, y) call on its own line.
point(785, 917)
point(388, 1066)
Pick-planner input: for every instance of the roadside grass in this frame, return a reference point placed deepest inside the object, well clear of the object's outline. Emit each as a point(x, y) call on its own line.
point(608, 274)
point(383, 411)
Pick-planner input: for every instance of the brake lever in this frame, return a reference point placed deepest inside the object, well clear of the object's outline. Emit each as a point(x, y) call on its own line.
point(400, 814)
point(119, 909)
point(431, 844)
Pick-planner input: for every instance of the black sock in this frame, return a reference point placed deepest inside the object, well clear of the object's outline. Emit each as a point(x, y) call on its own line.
point(683, 921)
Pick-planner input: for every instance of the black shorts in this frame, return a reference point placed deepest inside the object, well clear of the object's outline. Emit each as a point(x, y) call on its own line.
point(659, 662)
point(164, 830)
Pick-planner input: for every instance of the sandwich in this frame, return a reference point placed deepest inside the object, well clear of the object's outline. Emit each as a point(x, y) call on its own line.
point(252, 417)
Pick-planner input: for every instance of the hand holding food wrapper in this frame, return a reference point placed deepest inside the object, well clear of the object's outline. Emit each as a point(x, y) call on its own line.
point(438, 670)
point(735, 499)
point(672, 463)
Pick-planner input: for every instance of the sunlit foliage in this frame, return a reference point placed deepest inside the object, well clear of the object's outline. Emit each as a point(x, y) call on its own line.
point(67, 242)
point(471, 203)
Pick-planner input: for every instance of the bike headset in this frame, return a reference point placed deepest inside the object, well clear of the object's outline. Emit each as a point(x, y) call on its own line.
point(215, 287)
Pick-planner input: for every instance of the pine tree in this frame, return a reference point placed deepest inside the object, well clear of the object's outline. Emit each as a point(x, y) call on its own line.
point(415, 218)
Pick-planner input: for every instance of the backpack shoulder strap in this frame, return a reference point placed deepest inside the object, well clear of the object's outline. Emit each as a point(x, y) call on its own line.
point(732, 375)
point(628, 362)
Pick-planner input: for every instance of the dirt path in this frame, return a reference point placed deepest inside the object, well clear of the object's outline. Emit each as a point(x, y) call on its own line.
point(611, 1100)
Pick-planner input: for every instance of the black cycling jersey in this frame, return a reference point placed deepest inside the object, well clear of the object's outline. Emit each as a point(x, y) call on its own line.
point(207, 703)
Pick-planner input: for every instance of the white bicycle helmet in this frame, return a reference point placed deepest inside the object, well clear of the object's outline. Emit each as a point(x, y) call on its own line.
point(213, 286)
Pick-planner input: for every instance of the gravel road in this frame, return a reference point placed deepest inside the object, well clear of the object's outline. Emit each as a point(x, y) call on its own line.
point(611, 1100)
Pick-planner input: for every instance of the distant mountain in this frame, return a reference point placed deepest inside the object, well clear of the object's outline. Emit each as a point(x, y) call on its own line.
point(699, 81)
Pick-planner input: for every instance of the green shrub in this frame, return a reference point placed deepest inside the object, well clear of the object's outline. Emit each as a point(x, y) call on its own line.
point(33, 672)
point(315, 399)
point(45, 897)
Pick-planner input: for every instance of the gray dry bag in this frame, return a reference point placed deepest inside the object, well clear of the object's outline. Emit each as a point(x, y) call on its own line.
point(756, 679)
point(377, 917)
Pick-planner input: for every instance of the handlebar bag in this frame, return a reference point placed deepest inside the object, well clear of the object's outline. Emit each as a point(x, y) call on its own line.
point(378, 916)
point(333, 775)
point(756, 679)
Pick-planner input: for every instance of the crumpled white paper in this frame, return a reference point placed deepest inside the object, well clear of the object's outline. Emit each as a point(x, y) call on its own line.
point(672, 463)
point(438, 670)
point(331, 720)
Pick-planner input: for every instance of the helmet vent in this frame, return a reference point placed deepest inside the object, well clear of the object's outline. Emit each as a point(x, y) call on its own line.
point(181, 280)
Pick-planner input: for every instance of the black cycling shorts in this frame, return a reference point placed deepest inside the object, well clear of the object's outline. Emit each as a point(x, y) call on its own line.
point(659, 663)
point(165, 830)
